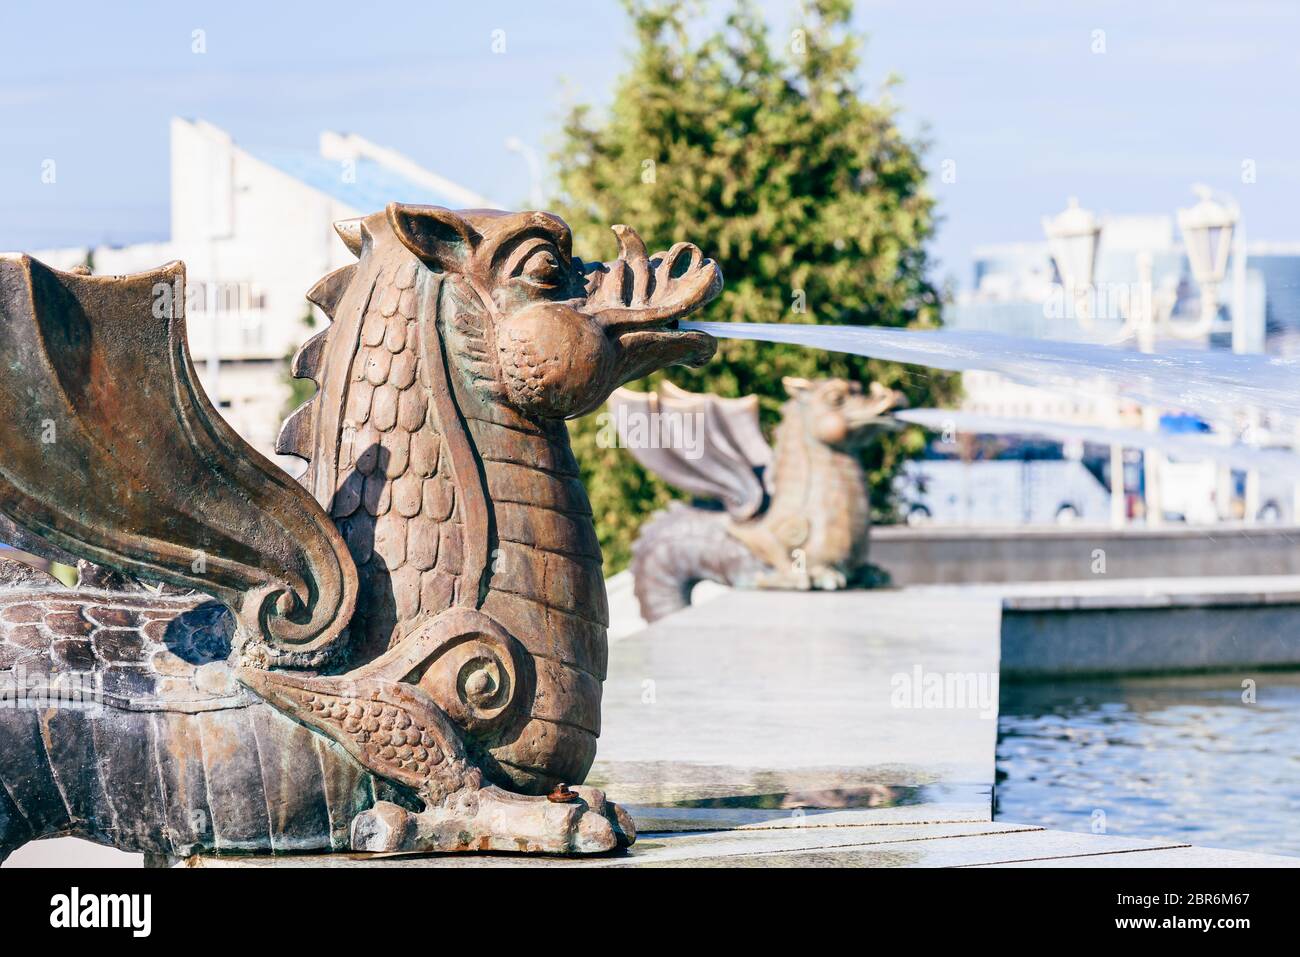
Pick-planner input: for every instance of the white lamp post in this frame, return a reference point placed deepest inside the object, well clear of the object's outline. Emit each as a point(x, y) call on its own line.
point(515, 145)
point(1207, 235)
point(1208, 229)
point(1072, 238)
point(1150, 311)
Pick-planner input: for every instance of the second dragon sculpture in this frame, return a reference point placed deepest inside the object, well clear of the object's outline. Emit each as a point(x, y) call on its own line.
point(797, 516)
point(402, 653)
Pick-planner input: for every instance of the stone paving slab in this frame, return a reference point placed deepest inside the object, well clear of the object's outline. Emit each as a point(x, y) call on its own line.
point(963, 554)
point(1176, 857)
point(935, 846)
point(782, 691)
point(932, 846)
point(974, 809)
point(1107, 592)
point(986, 844)
point(668, 848)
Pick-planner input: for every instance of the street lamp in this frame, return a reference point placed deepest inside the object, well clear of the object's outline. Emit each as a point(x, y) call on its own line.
point(1072, 238)
point(1207, 235)
point(1150, 312)
point(515, 145)
point(1208, 229)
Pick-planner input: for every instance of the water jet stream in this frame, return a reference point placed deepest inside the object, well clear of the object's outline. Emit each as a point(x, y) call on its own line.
point(1211, 384)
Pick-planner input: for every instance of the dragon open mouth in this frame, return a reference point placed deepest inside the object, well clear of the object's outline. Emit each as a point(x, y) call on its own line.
point(640, 301)
point(652, 347)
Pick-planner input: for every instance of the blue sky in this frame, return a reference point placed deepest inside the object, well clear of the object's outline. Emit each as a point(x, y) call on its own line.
point(1011, 92)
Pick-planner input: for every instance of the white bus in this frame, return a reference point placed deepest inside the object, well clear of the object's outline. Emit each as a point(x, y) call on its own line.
point(999, 480)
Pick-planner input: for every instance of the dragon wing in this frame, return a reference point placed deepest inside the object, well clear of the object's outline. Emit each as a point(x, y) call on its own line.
point(708, 446)
point(110, 450)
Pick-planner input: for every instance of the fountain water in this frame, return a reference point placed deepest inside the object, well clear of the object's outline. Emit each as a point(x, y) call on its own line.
point(1212, 384)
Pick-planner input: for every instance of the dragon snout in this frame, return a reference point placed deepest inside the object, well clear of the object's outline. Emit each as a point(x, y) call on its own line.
point(873, 409)
point(639, 291)
point(638, 300)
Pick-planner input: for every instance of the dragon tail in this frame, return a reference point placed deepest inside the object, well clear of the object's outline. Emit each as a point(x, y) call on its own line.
point(680, 547)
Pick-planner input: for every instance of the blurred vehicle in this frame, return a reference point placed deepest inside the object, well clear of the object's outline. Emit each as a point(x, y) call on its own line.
point(1003, 480)
point(1188, 487)
point(1189, 491)
point(1198, 492)
point(1277, 494)
point(1012, 479)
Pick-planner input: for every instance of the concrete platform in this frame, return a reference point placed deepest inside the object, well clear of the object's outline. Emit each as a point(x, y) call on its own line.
point(966, 555)
point(772, 692)
point(930, 845)
point(1107, 626)
point(1103, 625)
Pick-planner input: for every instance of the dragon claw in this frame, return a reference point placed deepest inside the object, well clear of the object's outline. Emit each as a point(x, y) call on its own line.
point(491, 819)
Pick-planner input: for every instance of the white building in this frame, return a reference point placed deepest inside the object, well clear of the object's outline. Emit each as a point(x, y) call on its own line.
point(254, 228)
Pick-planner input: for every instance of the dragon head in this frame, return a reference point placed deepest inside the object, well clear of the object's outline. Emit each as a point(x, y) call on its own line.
point(532, 325)
point(839, 414)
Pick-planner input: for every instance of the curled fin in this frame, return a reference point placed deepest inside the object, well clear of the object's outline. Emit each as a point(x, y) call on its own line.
point(352, 232)
point(111, 451)
point(329, 291)
point(296, 433)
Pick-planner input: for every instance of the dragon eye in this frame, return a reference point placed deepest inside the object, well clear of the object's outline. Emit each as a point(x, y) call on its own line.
point(542, 268)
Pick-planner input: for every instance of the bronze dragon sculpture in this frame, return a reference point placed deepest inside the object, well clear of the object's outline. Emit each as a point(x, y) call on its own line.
point(796, 517)
point(402, 651)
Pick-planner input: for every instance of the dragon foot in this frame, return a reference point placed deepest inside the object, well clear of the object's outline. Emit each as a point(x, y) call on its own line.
point(827, 578)
point(786, 580)
point(820, 578)
point(492, 819)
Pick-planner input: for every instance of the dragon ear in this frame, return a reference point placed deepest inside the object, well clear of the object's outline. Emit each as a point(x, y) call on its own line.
point(795, 387)
point(438, 236)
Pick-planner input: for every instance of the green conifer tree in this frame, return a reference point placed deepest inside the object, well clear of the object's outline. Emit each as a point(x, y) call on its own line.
point(762, 150)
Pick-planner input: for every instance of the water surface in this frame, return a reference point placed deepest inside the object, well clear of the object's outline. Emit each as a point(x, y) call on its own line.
point(1181, 759)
